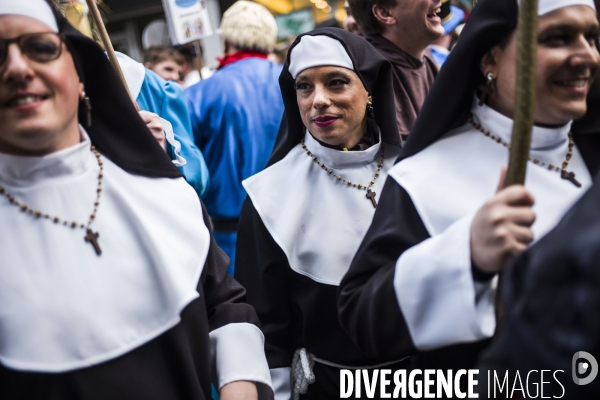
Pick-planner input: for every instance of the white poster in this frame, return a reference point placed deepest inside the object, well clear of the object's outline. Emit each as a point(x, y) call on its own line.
point(187, 20)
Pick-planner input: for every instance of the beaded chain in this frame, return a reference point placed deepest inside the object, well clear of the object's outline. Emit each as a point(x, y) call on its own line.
point(359, 186)
point(91, 237)
point(562, 170)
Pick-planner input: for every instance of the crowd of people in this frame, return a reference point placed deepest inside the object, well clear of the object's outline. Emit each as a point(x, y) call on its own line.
point(269, 230)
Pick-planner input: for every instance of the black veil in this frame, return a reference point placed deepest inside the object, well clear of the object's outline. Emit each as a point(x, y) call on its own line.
point(117, 130)
point(448, 103)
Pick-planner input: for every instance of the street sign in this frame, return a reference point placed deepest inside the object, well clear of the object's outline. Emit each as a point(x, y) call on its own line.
point(187, 20)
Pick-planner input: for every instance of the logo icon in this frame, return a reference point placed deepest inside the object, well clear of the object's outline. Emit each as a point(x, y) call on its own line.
point(579, 367)
point(185, 3)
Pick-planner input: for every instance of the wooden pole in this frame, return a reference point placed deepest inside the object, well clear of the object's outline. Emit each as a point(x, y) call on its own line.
point(525, 96)
point(198, 63)
point(108, 45)
point(523, 114)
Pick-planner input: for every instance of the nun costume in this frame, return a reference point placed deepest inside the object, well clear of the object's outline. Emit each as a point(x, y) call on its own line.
point(552, 296)
point(412, 288)
point(302, 222)
point(136, 304)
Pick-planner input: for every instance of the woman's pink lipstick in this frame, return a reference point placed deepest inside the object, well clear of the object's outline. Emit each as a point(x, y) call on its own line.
point(323, 122)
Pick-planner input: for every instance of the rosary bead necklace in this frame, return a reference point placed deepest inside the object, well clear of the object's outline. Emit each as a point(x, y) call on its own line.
point(91, 236)
point(570, 176)
point(370, 194)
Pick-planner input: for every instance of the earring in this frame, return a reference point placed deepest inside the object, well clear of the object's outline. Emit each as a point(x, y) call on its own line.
point(370, 109)
point(87, 107)
point(487, 89)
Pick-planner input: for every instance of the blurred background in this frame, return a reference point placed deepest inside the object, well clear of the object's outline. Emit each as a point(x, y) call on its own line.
point(135, 25)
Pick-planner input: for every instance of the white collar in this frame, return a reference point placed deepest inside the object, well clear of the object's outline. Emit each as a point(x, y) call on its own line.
point(341, 159)
point(317, 220)
point(456, 175)
point(89, 309)
point(500, 125)
point(19, 171)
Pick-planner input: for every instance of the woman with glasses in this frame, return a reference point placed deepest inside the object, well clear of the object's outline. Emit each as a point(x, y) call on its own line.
point(106, 292)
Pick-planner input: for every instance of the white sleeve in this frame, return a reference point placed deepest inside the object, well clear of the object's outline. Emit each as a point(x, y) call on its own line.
point(179, 161)
point(441, 303)
point(282, 384)
point(237, 353)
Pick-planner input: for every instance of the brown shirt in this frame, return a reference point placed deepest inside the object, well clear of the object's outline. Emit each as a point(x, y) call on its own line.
point(412, 80)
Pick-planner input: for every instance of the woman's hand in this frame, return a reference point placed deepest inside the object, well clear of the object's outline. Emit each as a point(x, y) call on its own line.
point(502, 227)
point(153, 123)
point(239, 390)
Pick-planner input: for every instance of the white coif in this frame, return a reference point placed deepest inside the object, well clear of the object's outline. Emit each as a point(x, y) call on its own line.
point(317, 220)
point(37, 9)
point(318, 51)
point(546, 6)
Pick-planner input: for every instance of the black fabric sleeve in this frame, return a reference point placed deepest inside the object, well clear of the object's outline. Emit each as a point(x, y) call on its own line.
point(261, 267)
point(479, 275)
point(552, 298)
point(225, 298)
point(367, 303)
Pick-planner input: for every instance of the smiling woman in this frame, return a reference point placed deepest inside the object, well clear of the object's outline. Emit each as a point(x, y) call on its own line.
point(568, 61)
point(446, 224)
point(107, 263)
point(306, 214)
point(332, 104)
point(39, 98)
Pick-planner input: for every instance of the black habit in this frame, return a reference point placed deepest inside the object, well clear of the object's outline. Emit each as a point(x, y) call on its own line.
point(297, 309)
point(173, 364)
point(369, 306)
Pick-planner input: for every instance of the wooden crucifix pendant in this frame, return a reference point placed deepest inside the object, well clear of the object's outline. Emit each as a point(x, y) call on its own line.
point(570, 176)
point(371, 195)
point(92, 237)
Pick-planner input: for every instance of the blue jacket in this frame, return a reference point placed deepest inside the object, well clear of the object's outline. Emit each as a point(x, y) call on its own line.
point(167, 99)
point(235, 119)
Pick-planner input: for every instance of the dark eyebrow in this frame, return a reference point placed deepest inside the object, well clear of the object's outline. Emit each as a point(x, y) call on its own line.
point(337, 74)
point(563, 27)
point(558, 28)
point(328, 76)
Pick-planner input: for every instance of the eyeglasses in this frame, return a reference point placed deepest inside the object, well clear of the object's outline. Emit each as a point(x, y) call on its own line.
point(40, 47)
